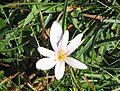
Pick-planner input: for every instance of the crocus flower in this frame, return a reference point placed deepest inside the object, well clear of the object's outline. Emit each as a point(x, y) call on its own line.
point(61, 54)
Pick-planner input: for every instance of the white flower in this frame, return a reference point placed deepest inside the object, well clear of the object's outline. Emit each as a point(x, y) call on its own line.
point(62, 50)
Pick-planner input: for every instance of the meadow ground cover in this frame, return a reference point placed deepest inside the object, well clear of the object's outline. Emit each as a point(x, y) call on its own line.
point(93, 27)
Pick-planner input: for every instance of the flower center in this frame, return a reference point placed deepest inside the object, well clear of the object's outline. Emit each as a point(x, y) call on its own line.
point(61, 55)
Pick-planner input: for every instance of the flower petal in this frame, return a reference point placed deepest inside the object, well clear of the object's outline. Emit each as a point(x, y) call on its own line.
point(75, 63)
point(55, 35)
point(46, 52)
point(74, 44)
point(45, 63)
point(64, 41)
point(59, 70)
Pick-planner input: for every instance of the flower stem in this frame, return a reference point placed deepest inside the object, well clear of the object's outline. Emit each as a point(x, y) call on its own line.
point(73, 76)
point(35, 36)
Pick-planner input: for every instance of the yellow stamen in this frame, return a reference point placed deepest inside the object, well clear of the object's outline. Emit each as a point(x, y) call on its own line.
point(61, 55)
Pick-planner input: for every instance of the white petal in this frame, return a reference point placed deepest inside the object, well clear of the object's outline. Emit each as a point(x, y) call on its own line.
point(55, 35)
point(45, 63)
point(75, 63)
point(46, 52)
point(64, 41)
point(74, 44)
point(59, 70)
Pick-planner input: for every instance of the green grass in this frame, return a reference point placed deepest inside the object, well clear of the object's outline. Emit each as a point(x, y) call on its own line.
point(24, 24)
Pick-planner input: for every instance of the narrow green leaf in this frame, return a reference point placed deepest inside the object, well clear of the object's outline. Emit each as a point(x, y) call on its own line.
point(3, 33)
point(5, 50)
point(32, 14)
point(111, 21)
point(86, 47)
point(64, 15)
point(2, 23)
